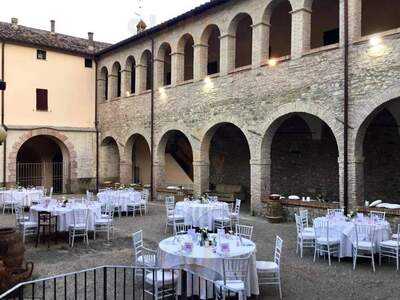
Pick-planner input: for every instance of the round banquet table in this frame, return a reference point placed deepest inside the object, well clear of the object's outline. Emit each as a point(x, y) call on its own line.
point(200, 215)
point(121, 198)
point(24, 197)
point(65, 214)
point(171, 255)
point(346, 231)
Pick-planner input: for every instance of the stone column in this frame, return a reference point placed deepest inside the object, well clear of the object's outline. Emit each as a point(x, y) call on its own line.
point(260, 171)
point(158, 73)
point(227, 53)
point(111, 84)
point(141, 78)
point(125, 82)
point(355, 12)
point(125, 171)
point(201, 175)
point(200, 61)
point(356, 182)
point(101, 88)
point(159, 177)
point(177, 62)
point(261, 33)
point(301, 32)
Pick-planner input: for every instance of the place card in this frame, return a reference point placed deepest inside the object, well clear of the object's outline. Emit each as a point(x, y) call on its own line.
point(188, 247)
point(225, 248)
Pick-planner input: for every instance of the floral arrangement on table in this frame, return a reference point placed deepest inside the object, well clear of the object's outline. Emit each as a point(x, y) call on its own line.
point(352, 214)
point(64, 201)
point(203, 236)
point(204, 199)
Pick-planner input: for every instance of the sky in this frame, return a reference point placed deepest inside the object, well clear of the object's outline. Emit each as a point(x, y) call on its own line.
point(111, 21)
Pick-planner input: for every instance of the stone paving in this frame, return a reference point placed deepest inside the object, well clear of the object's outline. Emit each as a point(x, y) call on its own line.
point(302, 279)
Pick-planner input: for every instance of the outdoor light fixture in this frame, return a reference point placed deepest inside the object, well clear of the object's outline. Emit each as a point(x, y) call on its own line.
point(208, 84)
point(272, 62)
point(2, 85)
point(375, 41)
point(127, 93)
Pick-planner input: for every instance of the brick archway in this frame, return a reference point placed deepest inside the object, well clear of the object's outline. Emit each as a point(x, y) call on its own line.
point(59, 137)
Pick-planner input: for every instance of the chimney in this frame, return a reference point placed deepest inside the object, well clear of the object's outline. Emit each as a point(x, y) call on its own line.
point(91, 40)
point(53, 26)
point(141, 26)
point(14, 23)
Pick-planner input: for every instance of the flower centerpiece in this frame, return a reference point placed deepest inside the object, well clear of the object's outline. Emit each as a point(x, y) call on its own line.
point(64, 201)
point(204, 199)
point(352, 214)
point(203, 236)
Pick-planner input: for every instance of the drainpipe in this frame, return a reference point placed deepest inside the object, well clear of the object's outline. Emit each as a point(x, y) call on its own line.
point(152, 123)
point(96, 124)
point(2, 113)
point(346, 109)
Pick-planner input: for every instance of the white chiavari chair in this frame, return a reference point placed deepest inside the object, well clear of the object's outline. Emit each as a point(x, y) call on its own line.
point(142, 256)
point(235, 213)
point(221, 219)
point(244, 231)
point(377, 215)
point(335, 211)
point(172, 218)
point(105, 222)
point(327, 240)
point(304, 217)
point(269, 271)
point(364, 245)
point(391, 249)
point(26, 226)
point(182, 228)
point(305, 238)
point(79, 226)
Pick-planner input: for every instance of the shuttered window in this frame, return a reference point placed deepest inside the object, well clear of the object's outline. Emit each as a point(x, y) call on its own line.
point(41, 100)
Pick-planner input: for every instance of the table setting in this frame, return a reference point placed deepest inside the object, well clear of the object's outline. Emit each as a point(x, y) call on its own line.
point(121, 198)
point(206, 251)
point(344, 228)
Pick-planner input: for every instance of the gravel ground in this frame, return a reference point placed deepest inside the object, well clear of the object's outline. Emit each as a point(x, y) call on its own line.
point(301, 278)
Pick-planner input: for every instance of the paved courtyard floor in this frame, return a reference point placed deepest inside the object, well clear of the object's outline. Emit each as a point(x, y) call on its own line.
point(302, 279)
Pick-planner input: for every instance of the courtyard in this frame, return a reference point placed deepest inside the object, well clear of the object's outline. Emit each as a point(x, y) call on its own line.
point(301, 278)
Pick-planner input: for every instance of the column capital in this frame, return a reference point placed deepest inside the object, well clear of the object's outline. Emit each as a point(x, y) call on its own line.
point(112, 76)
point(302, 9)
point(261, 162)
point(227, 36)
point(176, 53)
point(126, 70)
point(200, 45)
point(200, 163)
point(261, 24)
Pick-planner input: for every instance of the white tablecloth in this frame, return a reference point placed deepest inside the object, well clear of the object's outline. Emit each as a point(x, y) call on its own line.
point(200, 215)
point(347, 233)
point(172, 256)
point(24, 197)
point(120, 198)
point(65, 214)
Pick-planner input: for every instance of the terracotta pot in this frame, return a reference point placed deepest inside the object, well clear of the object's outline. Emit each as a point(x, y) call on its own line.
point(12, 249)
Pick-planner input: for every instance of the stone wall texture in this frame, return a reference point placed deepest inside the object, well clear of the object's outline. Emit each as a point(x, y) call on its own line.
point(258, 98)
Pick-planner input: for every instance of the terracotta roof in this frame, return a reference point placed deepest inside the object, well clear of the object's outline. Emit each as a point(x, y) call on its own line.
point(42, 38)
point(152, 30)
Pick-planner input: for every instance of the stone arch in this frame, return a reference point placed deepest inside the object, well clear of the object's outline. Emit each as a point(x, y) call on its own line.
point(145, 71)
point(324, 22)
point(130, 74)
point(185, 49)
point(136, 160)
point(211, 39)
point(164, 67)
point(110, 158)
point(240, 29)
point(103, 84)
point(116, 80)
point(66, 146)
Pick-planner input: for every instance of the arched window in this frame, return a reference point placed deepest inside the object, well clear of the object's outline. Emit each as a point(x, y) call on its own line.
point(164, 65)
point(185, 46)
point(103, 84)
point(324, 23)
point(146, 74)
point(116, 80)
point(241, 28)
point(210, 38)
point(131, 74)
point(379, 16)
point(280, 19)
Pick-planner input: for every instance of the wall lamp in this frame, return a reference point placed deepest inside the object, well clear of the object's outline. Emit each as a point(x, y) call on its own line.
point(3, 85)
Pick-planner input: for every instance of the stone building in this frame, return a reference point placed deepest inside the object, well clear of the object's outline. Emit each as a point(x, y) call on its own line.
point(250, 93)
point(48, 108)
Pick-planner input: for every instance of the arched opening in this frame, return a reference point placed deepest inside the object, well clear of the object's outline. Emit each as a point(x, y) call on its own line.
point(185, 46)
point(131, 74)
point(103, 84)
point(278, 14)
point(139, 152)
point(164, 66)
point(379, 16)
point(228, 153)
point(324, 23)
point(109, 161)
point(210, 38)
point(380, 148)
point(175, 152)
point(146, 74)
point(241, 28)
point(304, 158)
point(43, 161)
point(116, 80)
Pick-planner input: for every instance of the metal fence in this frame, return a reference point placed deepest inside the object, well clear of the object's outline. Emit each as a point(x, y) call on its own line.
point(117, 282)
point(55, 174)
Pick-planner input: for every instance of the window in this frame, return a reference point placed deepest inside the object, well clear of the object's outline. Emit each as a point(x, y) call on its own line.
point(331, 37)
point(41, 54)
point(88, 63)
point(41, 100)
